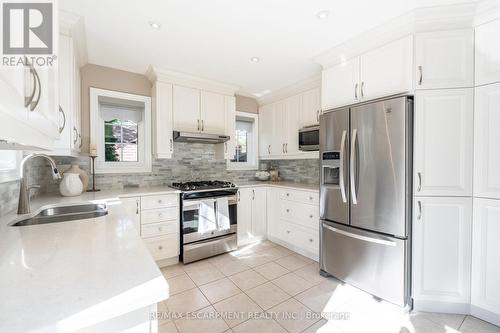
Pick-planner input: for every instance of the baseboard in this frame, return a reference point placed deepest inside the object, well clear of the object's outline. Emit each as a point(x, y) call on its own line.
point(486, 315)
point(167, 261)
point(442, 307)
point(294, 248)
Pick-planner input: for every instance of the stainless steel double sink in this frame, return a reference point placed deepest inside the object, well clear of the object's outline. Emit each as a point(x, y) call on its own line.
point(63, 214)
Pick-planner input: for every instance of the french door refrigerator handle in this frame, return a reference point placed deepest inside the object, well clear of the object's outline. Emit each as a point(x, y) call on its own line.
point(360, 237)
point(353, 179)
point(341, 170)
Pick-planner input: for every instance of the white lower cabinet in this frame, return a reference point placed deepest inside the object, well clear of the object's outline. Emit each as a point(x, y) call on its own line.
point(252, 215)
point(442, 228)
point(156, 217)
point(485, 293)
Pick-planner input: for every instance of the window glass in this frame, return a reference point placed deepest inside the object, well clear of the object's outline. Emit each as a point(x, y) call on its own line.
point(243, 135)
point(121, 140)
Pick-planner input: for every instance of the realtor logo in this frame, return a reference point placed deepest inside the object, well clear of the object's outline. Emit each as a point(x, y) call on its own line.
point(27, 28)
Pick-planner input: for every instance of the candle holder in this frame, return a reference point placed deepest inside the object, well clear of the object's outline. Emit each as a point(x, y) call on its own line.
point(93, 176)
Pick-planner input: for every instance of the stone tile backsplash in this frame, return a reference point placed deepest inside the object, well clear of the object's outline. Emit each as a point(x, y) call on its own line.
point(190, 162)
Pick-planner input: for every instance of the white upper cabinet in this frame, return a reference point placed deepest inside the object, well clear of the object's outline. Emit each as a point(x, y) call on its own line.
point(230, 114)
point(387, 70)
point(186, 109)
point(488, 53)
point(444, 59)
point(340, 85)
point(487, 141)
point(280, 134)
point(213, 113)
point(485, 293)
point(311, 108)
point(162, 138)
point(443, 142)
point(442, 230)
point(266, 130)
point(293, 111)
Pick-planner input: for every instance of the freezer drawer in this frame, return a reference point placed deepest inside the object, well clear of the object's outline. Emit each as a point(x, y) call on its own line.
point(371, 262)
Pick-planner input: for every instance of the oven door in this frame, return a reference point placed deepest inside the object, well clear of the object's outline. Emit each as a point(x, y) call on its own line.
point(309, 138)
point(196, 228)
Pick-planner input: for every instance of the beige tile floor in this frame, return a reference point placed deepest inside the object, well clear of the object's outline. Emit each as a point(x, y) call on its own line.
point(267, 288)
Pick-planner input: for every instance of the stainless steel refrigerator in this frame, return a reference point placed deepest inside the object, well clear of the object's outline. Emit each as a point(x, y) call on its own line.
point(365, 196)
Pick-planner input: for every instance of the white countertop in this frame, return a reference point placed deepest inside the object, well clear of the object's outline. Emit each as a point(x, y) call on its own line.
point(68, 275)
point(282, 184)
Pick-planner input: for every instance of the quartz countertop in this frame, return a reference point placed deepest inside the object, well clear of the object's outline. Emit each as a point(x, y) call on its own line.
point(68, 275)
point(282, 184)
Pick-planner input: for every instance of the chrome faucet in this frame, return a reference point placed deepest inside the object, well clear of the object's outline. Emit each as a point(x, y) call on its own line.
point(24, 191)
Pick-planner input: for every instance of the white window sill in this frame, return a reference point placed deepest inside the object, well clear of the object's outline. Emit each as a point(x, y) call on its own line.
point(232, 167)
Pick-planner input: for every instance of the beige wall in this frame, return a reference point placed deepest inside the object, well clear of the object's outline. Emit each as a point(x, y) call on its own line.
point(94, 76)
point(246, 104)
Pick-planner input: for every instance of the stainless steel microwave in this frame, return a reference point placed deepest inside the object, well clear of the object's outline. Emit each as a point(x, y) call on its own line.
point(309, 138)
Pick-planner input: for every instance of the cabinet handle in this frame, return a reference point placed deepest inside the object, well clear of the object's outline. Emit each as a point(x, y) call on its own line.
point(419, 174)
point(225, 146)
point(286, 148)
point(171, 145)
point(269, 149)
point(80, 138)
point(356, 91)
point(288, 194)
point(238, 195)
point(317, 115)
point(288, 210)
point(160, 247)
point(283, 148)
point(202, 125)
point(421, 71)
point(311, 216)
point(310, 240)
point(137, 207)
point(29, 98)
point(160, 229)
point(310, 198)
point(160, 201)
point(61, 111)
point(75, 132)
point(288, 231)
point(198, 125)
point(362, 89)
point(253, 194)
point(38, 84)
point(419, 210)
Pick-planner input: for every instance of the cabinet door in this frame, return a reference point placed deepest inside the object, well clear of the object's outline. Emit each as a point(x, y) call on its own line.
point(387, 70)
point(444, 59)
point(274, 225)
point(244, 215)
point(186, 109)
point(339, 85)
point(266, 130)
point(213, 113)
point(486, 141)
point(487, 53)
point(485, 291)
point(443, 142)
point(291, 128)
point(230, 146)
point(442, 229)
point(163, 145)
point(259, 212)
point(280, 134)
point(311, 106)
point(132, 207)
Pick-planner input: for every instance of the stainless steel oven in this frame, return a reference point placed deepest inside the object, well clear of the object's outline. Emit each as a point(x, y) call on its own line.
point(309, 138)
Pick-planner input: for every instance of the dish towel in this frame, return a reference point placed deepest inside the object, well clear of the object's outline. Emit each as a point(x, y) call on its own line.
point(223, 213)
point(207, 220)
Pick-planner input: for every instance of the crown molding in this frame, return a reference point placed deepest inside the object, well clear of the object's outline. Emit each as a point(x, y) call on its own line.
point(291, 90)
point(73, 25)
point(183, 79)
point(419, 20)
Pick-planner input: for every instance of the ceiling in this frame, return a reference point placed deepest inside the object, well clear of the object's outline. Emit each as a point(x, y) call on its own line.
point(215, 39)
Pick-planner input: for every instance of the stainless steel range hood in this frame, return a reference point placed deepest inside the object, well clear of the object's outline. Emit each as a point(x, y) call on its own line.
point(199, 137)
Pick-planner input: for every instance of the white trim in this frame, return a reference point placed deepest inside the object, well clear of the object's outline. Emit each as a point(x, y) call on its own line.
point(291, 90)
point(96, 133)
point(187, 80)
point(73, 25)
point(235, 166)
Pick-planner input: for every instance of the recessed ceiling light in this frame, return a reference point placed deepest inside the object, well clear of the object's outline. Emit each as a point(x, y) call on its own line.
point(254, 59)
point(155, 25)
point(323, 14)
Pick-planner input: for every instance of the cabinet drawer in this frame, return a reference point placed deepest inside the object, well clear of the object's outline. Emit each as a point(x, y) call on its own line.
point(300, 196)
point(303, 214)
point(163, 247)
point(301, 237)
point(159, 201)
point(158, 229)
point(159, 215)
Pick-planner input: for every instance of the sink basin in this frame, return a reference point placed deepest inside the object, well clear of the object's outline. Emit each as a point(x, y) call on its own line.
point(63, 214)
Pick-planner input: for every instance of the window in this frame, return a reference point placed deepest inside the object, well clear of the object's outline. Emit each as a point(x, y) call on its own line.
point(245, 142)
point(10, 161)
point(121, 129)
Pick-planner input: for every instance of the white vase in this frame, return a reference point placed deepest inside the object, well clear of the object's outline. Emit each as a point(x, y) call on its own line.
point(71, 185)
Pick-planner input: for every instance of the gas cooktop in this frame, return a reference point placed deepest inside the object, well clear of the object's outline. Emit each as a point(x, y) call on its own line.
point(202, 185)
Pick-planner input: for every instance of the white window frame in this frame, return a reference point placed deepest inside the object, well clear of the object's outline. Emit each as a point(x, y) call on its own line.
point(145, 164)
point(254, 163)
point(12, 174)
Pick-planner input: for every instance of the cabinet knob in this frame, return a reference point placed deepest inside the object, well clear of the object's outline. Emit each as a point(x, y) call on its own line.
point(311, 216)
point(311, 240)
point(288, 194)
point(310, 198)
point(160, 247)
point(160, 229)
point(160, 201)
point(160, 214)
point(288, 231)
point(288, 210)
